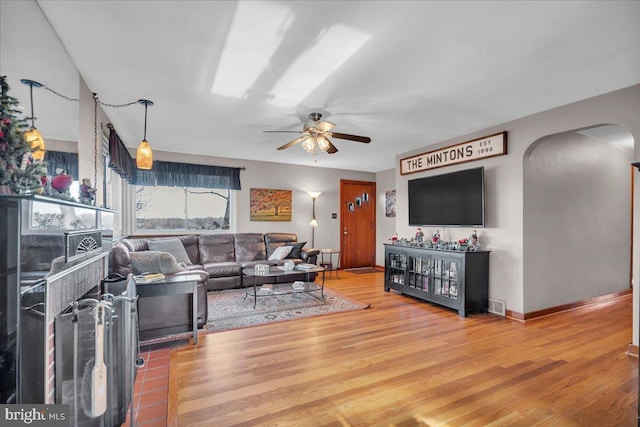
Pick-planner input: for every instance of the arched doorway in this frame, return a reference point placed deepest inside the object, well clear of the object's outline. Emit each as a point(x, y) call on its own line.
point(577, 216)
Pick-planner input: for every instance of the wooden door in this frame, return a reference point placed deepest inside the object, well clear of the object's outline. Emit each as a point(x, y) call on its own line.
point(357, 223)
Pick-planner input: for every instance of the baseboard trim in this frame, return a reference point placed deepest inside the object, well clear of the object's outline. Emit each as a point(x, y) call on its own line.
point(565, 307)
point(632, 351)
point(514, 315)
point(523, 317)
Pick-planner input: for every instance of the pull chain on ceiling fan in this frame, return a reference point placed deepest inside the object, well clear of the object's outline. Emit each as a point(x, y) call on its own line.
point(316, 133)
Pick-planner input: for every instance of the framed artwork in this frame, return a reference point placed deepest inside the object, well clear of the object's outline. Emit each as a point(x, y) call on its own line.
point(390, 203)
point(269, 205)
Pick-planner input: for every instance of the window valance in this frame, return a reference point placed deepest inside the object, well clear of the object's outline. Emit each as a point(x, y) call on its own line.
point(61, 160)
point(170, 174)
point(119, 158)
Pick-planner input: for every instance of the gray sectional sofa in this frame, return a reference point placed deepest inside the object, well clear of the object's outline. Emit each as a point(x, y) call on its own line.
point(218, 258)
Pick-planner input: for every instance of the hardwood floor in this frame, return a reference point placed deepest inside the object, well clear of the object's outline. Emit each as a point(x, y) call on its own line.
point(403, 362)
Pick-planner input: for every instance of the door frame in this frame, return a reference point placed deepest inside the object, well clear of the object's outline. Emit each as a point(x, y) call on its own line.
point(344, 210)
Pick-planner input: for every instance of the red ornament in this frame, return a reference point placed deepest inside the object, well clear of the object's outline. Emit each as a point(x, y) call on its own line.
point(61, 182)
point(1, 134)
point(6, 121)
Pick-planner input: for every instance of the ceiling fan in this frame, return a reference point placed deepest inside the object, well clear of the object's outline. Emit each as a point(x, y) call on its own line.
point(316, 133)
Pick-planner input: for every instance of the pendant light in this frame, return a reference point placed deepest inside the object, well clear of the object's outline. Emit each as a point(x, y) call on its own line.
point(144, 155)
point(33, 136)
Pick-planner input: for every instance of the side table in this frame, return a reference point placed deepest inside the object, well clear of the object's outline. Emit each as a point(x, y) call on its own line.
point(175, 285)
point(327, 257)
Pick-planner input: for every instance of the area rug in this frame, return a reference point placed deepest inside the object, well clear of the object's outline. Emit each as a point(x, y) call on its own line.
point(230, 310)
point(363, 270)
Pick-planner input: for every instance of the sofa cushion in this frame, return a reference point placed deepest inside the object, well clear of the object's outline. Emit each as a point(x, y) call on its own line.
point(223, 269)
point(120, 260)
point(190, 243)
point(296, 249)
point(135, 245)
point(249, 247)
point(280, 253)
point(275, 240)
point(154, 262)
point(172, 246)
point(216, 248)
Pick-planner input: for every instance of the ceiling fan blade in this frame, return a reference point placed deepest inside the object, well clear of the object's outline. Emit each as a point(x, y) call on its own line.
point(332, 148)
point(282, 131)
point(364, 139)
point(323, 127)
point(292, 143)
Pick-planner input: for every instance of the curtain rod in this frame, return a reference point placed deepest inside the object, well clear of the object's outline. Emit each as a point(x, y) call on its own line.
point(110, 127)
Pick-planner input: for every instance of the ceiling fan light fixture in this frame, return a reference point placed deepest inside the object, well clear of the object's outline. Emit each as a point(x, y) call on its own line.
point(323, 143)
point(309, 145)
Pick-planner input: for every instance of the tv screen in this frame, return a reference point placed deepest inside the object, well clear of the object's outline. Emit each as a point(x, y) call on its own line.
point(455, 198)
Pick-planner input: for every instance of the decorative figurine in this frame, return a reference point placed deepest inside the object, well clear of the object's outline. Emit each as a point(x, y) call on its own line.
point(474, 242)
point(87, 192)
point(463, 244)
point(419, 235)
point(436, 237)
point(394, 238)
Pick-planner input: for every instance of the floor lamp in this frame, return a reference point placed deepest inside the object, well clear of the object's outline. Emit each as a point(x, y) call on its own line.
point(314, 195)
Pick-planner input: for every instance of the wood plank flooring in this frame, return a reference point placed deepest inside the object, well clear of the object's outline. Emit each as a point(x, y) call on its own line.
point(404, 362)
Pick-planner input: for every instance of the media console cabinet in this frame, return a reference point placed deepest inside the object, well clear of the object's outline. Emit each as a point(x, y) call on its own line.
point(454, 279)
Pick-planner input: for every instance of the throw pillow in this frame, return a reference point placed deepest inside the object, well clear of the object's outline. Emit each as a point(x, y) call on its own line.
point(296, 249)
point(172, 246)
point(154, 262)
point(280, 253)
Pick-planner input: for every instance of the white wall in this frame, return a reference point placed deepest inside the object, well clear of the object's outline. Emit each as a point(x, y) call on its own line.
point(28, 42)
point(504, 232)
point(577, 220)
point(385, 227)
point(299, 179)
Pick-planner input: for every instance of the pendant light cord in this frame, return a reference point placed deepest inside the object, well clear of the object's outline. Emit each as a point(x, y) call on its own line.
point(33, 125)
point(145, 121)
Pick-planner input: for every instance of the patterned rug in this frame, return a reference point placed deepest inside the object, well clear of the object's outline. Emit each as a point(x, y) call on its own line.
point(230, 310)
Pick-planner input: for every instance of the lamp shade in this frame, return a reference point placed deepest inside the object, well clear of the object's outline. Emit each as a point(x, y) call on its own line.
point(144, 156)
point(309, 145)
point(323, 143)
point(313, 223)
point(314, 194)
point(35, 141)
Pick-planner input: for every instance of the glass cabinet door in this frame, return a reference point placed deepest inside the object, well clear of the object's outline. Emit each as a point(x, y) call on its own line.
point(419, 271)
point(396, 267)
point(445, 278)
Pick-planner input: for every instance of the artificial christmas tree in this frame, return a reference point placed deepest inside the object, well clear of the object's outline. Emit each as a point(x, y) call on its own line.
point(18, 170)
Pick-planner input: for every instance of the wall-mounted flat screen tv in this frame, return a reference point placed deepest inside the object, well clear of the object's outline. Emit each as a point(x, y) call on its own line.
point(454, 199)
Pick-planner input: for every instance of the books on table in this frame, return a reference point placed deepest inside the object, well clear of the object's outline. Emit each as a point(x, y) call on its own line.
point(305, 266)
point(149, 277)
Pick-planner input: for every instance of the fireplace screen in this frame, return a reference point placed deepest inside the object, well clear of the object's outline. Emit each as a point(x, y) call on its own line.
point(96, 350)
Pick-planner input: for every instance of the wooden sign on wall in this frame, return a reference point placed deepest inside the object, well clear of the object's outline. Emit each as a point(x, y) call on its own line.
point(481, 148)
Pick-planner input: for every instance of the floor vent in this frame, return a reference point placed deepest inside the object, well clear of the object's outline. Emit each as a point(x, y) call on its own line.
point(497, 307)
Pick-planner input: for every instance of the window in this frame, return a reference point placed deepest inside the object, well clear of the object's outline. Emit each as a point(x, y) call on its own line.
point(182, 208)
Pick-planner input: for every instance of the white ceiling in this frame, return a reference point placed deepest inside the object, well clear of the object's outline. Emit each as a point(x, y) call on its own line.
point(407, 74)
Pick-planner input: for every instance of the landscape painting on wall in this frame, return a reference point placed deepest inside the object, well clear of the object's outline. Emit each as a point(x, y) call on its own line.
point(390, 203)
point(270, 205)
